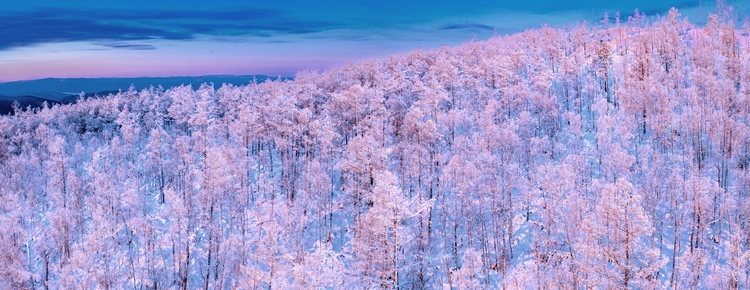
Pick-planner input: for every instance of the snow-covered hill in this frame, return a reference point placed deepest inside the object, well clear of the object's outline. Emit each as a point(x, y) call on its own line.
point(584, 157)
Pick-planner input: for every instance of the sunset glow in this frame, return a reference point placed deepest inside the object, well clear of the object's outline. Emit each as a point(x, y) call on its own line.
point(41, 39)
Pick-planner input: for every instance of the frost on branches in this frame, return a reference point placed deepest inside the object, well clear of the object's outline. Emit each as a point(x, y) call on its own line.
point(585, 157)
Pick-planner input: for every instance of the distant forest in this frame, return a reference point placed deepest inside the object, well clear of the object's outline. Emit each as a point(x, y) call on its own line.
point(608, 155)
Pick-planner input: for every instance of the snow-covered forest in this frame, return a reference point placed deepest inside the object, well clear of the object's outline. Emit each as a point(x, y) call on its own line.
point(594, 156)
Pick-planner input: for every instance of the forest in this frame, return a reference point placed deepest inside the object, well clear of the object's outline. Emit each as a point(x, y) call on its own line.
point(607, 155)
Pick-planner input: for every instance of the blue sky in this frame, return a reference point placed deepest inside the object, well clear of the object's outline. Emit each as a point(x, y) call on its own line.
point(87, 38)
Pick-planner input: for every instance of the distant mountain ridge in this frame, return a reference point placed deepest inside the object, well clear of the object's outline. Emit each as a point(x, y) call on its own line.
point(26, 102)
point(6, 103)
point(34, 93)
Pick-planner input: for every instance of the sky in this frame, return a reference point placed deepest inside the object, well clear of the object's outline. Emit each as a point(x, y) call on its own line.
point(159, 38)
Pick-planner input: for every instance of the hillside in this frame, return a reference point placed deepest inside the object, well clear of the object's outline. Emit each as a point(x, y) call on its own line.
point(56, 87)
point(603, 156)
